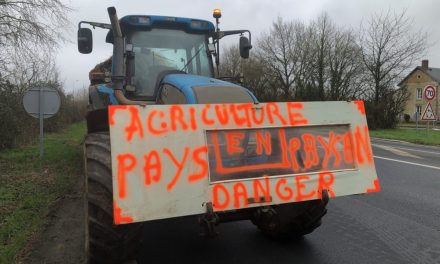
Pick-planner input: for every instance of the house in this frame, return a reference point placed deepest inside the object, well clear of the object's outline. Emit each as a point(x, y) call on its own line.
point(415, 82)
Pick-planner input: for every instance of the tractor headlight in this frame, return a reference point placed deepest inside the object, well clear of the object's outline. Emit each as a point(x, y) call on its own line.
point(197, 24)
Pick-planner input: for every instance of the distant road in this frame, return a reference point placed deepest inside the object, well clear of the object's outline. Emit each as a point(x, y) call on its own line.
point(401, 224)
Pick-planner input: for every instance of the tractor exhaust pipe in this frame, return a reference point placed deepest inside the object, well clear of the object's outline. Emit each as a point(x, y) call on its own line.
point(118, 72)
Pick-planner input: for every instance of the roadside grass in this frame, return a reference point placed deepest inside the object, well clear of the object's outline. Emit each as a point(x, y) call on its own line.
point(421, 125)
point(30, 186)
point(420, 136)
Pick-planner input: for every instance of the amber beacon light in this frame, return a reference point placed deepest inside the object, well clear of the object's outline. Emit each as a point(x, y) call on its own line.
point(217, 13)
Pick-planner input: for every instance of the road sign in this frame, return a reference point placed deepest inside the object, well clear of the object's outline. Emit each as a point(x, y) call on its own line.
point(48, 102)
point(428, 114)
point(41, 103)
point(429, 92)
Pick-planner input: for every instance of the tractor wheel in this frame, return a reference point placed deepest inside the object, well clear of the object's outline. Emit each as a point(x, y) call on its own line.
point(291, 220)
point(105, 242)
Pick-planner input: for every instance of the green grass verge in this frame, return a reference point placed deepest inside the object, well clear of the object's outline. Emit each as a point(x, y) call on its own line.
point(420, 136)
point(29, 186)
point(421, 125)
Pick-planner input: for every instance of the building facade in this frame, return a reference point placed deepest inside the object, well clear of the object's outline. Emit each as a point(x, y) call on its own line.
point(415, 83)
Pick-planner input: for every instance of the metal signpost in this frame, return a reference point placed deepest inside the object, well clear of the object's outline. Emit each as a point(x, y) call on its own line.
point(417, 117)
point(41, 103)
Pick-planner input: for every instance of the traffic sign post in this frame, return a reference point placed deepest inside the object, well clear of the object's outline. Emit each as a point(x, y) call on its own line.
point(429, 92)
point(417, 117)
point(429, 114)
point(41, 103)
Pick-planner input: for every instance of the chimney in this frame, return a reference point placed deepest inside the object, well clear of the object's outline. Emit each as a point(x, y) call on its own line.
point(425, 64)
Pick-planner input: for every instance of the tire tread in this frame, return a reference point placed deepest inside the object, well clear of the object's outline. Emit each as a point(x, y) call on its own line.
point(105, 242)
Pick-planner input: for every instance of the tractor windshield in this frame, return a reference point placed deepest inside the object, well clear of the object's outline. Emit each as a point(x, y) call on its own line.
point(160, 50)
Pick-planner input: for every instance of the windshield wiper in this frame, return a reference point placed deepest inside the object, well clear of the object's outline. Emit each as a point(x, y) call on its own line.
point(190, 60)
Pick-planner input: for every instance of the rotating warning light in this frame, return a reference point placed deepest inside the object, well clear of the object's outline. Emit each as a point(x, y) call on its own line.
point(217, 13)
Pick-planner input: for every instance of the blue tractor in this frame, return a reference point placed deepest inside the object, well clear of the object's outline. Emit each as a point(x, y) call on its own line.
point(162, 60)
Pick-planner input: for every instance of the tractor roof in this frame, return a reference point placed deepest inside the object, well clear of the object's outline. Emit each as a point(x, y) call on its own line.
point(147, 22)
point(166, 21)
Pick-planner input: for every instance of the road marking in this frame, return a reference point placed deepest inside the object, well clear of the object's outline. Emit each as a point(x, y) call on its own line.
point(425, 151)
point(407, 162)
point(396, 151)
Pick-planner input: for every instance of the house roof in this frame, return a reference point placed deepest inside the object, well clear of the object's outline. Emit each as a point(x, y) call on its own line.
point(434, 73)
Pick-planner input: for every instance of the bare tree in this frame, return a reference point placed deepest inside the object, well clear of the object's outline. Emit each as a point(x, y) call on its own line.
point(278, 51)
point(390, 46)
point(304, 73)
point(250, 71)
point(330, 65)
point(322, 31)
point(26, 71)
point(345, 67)
point(231, 62)
point(256, 79)
point(40, 22)
point(30, 29)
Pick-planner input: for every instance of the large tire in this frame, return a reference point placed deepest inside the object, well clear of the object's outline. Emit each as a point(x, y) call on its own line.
point(292, 220)
point(105, 242)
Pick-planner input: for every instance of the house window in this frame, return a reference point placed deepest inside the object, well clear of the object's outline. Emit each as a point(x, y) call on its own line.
point(419, 93)
point(419, 109)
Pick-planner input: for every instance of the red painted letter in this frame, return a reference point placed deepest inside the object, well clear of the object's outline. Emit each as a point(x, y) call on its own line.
point(326, 183)
point(264, 189)
point(150, 122)
point(179, 166)
point(263, 141)
point(126, 163)
point(310, 150)
point(152, 163)
point(197, 157)
point(176, 115)
point(296, 118)
point(135, 124)
point(330, 148)
point(216, 197)
point(233, 142)
point(289, 192)
point(240, 191)
point(299, 186)
point(363, 142)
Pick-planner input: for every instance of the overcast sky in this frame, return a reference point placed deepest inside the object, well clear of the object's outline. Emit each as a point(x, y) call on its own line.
point(255, 15)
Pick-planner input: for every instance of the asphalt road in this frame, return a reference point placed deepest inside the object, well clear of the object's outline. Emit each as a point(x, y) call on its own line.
point(401, 224)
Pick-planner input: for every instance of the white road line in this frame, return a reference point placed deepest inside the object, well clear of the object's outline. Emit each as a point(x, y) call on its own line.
point(425, 151)
point(407, 162)
point(396, 151)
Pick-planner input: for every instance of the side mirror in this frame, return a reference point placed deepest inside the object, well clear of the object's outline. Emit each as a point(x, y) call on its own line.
point(245, 46)
point(85, 40)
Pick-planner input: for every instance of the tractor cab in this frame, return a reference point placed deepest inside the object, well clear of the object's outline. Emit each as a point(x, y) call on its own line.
point(157, 46)
point(148, 48)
